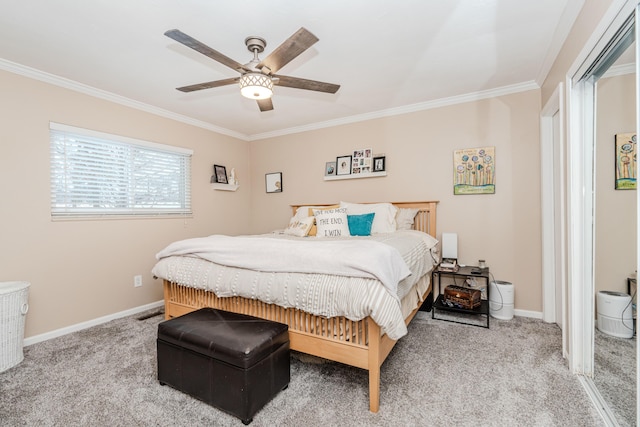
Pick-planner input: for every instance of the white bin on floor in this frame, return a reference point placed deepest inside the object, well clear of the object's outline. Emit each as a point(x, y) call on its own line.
point(614, 314)
point(13, 309)
point(501, 297)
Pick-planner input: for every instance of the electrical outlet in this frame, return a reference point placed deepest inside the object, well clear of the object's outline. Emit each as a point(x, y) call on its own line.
point(137, 281)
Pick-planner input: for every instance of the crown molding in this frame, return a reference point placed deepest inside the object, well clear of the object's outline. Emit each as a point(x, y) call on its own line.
point(42, 76)
point(108, 96)
point(421, 106)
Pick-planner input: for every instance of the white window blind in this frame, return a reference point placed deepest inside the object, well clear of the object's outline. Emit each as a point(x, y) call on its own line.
point(97, 174)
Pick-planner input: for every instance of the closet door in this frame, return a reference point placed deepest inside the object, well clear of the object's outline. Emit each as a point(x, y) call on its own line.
point(588, 184)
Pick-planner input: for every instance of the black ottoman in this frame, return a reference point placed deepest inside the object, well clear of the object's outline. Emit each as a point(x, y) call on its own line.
point(234, 362)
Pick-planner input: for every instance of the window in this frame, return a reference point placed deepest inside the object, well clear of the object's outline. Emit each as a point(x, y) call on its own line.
point(97, 174)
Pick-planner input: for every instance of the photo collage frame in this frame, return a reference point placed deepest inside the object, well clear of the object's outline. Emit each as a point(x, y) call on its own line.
point(360, 161)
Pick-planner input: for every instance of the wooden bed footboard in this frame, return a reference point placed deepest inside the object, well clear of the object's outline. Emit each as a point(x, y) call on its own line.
point(355, 343)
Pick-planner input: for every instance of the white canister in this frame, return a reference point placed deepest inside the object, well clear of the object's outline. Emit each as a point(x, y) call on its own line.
point(501, 300)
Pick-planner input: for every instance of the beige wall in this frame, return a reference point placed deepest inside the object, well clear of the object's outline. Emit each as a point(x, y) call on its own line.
point(615, 244)
point(503, 228)
point(82, 270)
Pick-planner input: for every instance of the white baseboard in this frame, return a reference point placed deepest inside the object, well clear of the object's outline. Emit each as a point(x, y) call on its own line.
point(104, 319)
point(84, 325)
point(528, 313)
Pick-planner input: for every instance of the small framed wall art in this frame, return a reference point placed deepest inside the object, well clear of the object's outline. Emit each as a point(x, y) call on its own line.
point(343, 165)
point(220, 174)
point(330, 169)
point(273, 182)
point(379, 164)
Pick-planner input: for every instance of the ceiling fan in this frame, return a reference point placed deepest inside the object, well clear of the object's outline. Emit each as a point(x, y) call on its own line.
point(257, 77)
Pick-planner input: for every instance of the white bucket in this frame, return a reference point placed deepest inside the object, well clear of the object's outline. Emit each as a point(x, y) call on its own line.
point(501, 300)
point(614, 314)
point(13, 310)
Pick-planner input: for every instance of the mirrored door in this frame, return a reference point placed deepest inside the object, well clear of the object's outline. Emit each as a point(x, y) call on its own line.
point(615, 234)
point(603, 235)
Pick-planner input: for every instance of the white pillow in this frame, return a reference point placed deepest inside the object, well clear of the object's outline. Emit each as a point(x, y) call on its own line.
point(383, 222)
point(405, 218)
point(299, 227)
point(332, 222)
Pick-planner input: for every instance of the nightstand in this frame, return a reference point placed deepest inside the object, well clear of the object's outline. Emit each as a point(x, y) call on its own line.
point(460, 277)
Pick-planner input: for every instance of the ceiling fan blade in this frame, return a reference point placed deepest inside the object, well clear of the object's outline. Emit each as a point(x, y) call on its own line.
point(298, 83)
point(288, 50)
point(208, 85)
point(265, 104)
point(194, 44)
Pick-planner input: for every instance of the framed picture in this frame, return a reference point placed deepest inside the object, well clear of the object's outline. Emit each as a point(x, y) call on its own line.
point(626, 161)
point(474, 171)
point(361, 161)
point(220, 174)
point(330, 169)
point(273, 182)
point(343, 165)
point(379, 164)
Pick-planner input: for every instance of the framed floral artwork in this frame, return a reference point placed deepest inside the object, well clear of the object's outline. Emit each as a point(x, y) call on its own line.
point(474, 171)
point(626, 162)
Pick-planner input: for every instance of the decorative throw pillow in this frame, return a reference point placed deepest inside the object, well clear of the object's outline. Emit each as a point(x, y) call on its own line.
point(299, 227)
point(360, 225)
point(332, 222)
point(385, 219)
point(405, 218)
point(310, 209)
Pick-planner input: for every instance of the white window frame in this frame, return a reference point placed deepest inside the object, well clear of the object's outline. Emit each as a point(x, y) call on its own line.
point(166, 174)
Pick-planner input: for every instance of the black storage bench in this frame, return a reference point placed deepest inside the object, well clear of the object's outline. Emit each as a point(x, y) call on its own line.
point(234, 362)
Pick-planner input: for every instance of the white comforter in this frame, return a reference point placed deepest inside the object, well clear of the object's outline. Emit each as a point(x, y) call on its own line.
point(352, 258)
point(350, 289)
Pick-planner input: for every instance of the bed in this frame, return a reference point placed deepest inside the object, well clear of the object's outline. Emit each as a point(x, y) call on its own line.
point(191, 282)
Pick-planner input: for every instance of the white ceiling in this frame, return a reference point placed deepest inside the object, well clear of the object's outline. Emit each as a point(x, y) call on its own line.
point(388, 56)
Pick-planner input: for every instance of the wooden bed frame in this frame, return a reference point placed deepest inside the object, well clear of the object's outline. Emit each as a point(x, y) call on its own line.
point(355, 343)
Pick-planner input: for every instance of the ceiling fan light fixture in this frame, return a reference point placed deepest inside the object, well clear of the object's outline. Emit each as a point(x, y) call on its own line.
point(256, 86)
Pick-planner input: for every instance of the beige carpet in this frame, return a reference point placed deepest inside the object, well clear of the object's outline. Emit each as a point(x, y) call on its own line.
point(440, 374)
point(615, 375)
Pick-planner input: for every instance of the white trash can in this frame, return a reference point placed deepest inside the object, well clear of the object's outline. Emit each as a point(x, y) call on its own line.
point(13, 309)
point(614, 316)
point(501, 297)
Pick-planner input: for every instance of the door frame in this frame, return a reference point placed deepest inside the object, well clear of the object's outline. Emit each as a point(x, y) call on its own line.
point(552, 152)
